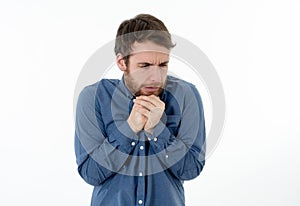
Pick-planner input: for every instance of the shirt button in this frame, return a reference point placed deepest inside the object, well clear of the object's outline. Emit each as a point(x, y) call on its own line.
point(155, 139)
point(140, 174)
point(132, 143)
point(167, 156)
point(141, 147)
point(140, 202)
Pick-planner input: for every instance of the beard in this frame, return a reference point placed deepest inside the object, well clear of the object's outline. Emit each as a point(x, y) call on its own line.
point(138, 85)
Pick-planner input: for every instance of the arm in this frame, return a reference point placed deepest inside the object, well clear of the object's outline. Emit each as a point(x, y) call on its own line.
point(99, 154)
point(183, 155)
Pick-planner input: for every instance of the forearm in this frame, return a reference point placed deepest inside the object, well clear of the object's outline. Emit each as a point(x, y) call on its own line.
point(184, 160)
point(97, 164)
point(101, 150)
point(181, 145)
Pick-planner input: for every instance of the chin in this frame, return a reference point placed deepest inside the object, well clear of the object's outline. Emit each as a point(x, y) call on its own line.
point(149, 94)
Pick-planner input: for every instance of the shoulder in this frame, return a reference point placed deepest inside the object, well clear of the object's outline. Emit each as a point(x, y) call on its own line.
point(108, 83)
point(100, 87)
point(182, 90)
point(88, 91)
point(103, 84)
point(178, 85)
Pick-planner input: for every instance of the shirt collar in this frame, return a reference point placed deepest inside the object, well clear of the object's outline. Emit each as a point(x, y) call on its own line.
point(124, 89)
point(162, 95)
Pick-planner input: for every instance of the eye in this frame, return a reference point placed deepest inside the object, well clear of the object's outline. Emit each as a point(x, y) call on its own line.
point(163, 65)
point(144, 65)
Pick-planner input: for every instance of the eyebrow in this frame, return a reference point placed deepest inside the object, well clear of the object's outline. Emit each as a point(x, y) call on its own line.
point(149, 64)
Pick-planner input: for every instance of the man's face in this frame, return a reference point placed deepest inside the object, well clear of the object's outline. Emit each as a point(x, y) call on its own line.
point(147, 68)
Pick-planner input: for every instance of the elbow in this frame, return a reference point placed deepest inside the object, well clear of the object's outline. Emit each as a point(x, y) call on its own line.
point(83, 172)
point(199, 168)
point(192, 173)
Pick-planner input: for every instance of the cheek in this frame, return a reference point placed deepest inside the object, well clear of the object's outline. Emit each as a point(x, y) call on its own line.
point(133, 81)
point(138, 76)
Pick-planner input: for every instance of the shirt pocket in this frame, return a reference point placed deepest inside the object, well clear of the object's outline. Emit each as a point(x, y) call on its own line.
point(173, 123)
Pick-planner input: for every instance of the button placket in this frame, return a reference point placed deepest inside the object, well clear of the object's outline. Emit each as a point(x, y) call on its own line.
point(141, 169)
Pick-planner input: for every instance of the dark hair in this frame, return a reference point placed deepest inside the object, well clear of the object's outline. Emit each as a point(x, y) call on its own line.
point(139, 29)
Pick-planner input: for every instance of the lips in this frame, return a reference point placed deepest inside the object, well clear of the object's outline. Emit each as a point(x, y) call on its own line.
point(152, 89)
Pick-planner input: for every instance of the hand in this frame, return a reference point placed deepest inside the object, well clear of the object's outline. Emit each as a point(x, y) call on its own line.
point(136, 119)
point(154, 110)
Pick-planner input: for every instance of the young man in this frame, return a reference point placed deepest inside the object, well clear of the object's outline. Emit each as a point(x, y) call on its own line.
point(137, 139)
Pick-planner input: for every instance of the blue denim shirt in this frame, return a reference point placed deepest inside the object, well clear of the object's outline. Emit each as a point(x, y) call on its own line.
point(128, 169)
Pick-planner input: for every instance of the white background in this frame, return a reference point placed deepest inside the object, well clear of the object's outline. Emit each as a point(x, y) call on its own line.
point(254, 46)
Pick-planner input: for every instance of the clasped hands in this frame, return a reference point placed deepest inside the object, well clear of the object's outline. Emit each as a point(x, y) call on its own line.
point(146, 113)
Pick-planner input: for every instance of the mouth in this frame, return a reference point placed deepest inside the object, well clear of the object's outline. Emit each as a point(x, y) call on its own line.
point(151, 89)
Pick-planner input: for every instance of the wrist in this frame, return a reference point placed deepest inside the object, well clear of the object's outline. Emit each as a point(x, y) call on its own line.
point(149, 130)
point(132, 126)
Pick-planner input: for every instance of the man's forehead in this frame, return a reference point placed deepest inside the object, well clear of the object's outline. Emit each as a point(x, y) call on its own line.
point(150, 57)
point(148, 47)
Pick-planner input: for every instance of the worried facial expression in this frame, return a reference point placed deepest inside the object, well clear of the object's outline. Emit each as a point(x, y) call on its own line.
point(147, 69)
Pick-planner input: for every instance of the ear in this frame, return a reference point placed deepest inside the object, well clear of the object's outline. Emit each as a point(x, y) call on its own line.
point(121, 62)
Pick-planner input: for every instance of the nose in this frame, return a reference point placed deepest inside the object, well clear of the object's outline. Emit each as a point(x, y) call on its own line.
point(156, 74)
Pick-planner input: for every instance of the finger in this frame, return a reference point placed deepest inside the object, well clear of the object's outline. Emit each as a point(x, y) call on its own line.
point(146, 104)
point(152, 99)
point(137, 105)
point(142, 111)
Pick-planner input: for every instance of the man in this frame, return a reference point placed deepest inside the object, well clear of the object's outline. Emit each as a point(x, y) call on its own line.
point(137, 139)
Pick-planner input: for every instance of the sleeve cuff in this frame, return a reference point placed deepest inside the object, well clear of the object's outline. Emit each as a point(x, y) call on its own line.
point(160, 137)
point(123, 137)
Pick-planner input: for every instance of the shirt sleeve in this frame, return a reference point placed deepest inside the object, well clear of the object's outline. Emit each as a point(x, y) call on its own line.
point(183, 154)
point(99, 154)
